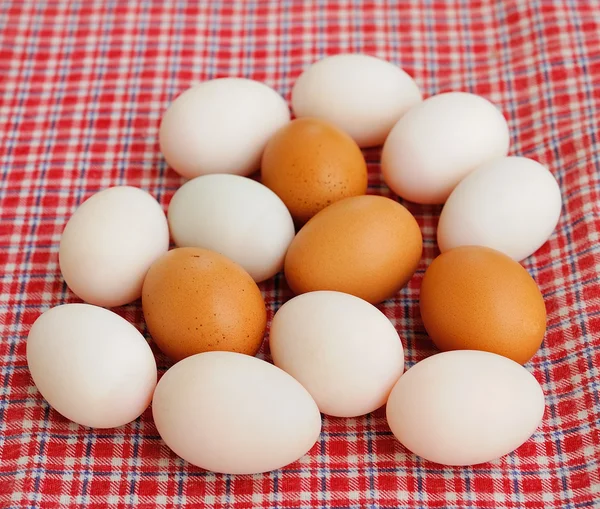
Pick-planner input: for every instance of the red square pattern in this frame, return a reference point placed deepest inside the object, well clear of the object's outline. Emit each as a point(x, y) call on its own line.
point(83, 88)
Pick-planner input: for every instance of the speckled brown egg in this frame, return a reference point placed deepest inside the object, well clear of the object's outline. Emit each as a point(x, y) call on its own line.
point(476, 298)
point(310, 164)
point(195, 300)
point(367, 246)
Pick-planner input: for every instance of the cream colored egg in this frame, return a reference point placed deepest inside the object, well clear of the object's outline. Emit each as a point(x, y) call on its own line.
point(232, 413)
point(91, 365)
point(221, 126)
point(511, 204)
point(360, 94)
point(465, 407)
point(235, 216)
point(344, 350)
point(439, 142)
point(109, 244)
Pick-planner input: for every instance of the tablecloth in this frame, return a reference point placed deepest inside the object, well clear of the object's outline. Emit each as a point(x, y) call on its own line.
point(83, 85)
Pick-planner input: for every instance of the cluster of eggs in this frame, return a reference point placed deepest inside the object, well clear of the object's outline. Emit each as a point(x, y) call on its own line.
point(342, 252)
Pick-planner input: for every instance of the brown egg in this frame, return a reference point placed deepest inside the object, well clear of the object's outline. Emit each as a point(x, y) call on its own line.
point(476, 298)
point(195, 300)
point(368, 246)
point(311, 164)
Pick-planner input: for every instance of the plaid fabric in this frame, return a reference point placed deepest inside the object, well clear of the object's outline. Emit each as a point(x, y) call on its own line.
point(83, 85)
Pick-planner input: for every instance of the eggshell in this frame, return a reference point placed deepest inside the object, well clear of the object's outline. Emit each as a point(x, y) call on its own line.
point(511, 204)
point(234, 414)
point(476, 298)
point(195, 300)
point(345, 351)
point(91, 365)
point(465, 407)
point(109, 244)
point(367, 246)
point(361, 94)
point(439, 142)
point(221, 126)
point(311, 164)
point(235, 216)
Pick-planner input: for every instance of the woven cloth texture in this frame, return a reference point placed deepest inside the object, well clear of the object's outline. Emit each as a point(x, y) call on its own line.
point(83, 85)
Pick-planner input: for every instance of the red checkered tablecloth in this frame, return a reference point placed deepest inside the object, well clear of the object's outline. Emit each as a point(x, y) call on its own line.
point(83, 85)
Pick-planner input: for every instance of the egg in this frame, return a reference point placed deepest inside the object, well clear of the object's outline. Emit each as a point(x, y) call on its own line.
point(234, 414)
point(311, 164)
point(235, 216)
point(91, 365)
point(343, 350)
point(439, 142)
point(367, 246)
point(510, 204)
point(195, 300)
point(465, 407)
point(221, 126)
point(361, 94)
point(476, 298)
point(109, 244)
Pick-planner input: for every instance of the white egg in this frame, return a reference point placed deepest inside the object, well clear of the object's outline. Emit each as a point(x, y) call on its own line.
point(232, 413)
point(439, 142)
point(221, 126)
point(235, 216)
point(109, 244)
point(465, 407)
point(361, 94)
point(91, 365)
point(511, 204)
point(344, 350)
